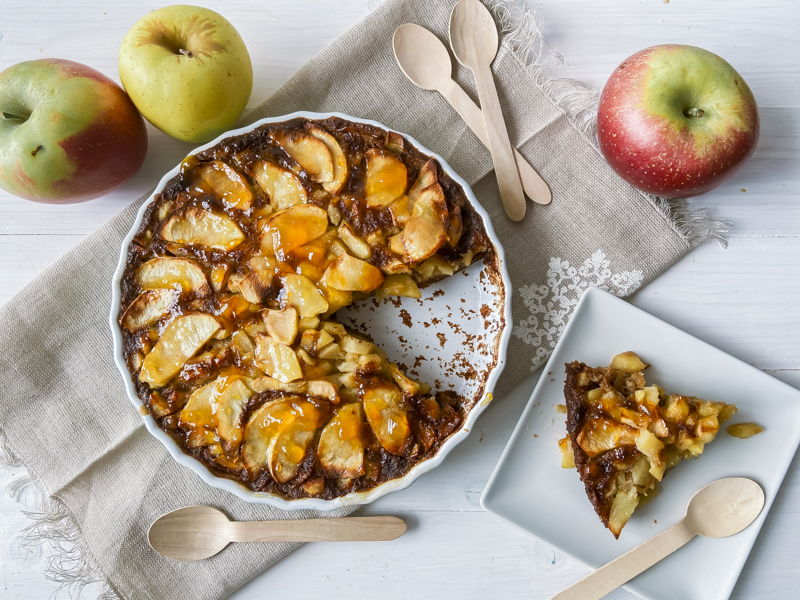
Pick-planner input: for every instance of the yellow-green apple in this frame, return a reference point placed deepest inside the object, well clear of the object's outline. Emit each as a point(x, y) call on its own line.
point(187, 70)
point(676, 121)
point(68, 133)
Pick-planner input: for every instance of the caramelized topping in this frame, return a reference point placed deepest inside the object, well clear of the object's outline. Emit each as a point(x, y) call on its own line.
point(623, 436)
point(230, 290)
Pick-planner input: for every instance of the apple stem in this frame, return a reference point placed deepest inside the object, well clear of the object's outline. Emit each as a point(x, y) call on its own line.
point(185, 52)
point(695, 112)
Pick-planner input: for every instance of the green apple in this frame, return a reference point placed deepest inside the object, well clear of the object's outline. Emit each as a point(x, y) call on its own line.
point(68, 133)
point(188, 72)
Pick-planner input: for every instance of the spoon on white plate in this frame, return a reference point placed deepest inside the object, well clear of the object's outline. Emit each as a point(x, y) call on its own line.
point(720, 509)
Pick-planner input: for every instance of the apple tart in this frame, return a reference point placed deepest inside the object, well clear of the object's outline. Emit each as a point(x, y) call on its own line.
point(230, 293)
point(623, 436)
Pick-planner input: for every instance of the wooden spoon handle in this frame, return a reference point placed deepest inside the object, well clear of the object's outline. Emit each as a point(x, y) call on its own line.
point(535, 187)
point(348, 529)
point(621, 570)
point(504, 166)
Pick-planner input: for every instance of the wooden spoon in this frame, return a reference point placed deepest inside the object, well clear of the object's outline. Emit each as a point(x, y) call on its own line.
point(198, 532)
point(720, 509)
point(474, 39)
point(424, 59)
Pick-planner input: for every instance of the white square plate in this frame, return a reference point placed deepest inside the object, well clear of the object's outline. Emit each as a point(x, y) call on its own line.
point(530, 489)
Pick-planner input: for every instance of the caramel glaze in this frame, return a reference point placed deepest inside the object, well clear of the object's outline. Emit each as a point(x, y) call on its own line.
point(431, 421)
point(599, 472)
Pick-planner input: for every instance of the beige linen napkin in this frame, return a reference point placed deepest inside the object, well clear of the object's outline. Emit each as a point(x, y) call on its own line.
point(63, 410)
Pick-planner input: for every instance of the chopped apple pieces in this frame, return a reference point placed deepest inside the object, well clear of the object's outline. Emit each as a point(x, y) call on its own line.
point(204, 228)
point(226, 183)
point(281, 324)
point(387, 178)
point(628, 362)
point(283, 187)
point(623, 436)
point(426, 230)
point(387, 415)
point(149, 307)
point(338, 157)
point(175, 273)
point(342, 443)
point(309, 152)
point(181, 340)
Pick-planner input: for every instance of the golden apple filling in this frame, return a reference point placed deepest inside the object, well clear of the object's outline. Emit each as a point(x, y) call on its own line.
point(623, 436)
point(230, 293)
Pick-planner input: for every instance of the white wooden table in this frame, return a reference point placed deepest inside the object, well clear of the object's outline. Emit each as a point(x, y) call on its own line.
point(744, 299)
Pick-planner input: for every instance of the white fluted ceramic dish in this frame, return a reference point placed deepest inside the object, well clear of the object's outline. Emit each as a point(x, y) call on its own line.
point(446, 358)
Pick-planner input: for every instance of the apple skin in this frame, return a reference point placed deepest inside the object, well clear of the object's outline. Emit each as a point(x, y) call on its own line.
point(188, 71)
point(647, 135)
point(81, 135)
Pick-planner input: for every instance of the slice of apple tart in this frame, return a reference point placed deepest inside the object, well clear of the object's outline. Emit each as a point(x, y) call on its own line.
point(624, 436)
point(230, 293)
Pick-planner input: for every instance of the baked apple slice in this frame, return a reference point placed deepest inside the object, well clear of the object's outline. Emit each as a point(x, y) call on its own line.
point(149, 307)
point(226, 183)
point(197, 416)
point(228, 404)
point(309, 152)
point(387, 415)
point(204, 228)
point(342, 443)
point(168, 272)
point(387, 178)
point(282, 186)
point(427, 228)
point(277, 360)
point(259, 432)
point(295, 227)
point(428, 175)
point(299, 291)
point(278, 434)
point(350, 274)
point(254, 287)
point(357, 245)
point(338, 157)
point(291, 442)
point(181, 340)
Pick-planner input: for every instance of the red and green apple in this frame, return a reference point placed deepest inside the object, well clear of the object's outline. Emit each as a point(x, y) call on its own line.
point(68, 133)
point(676, 121)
